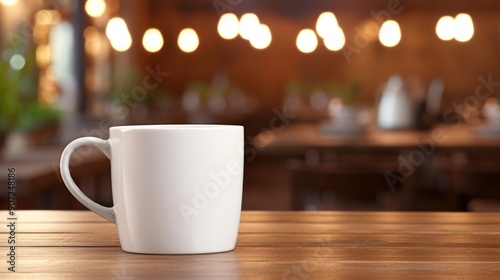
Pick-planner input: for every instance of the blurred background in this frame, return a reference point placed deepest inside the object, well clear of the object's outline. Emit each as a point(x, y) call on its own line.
point(347, 105)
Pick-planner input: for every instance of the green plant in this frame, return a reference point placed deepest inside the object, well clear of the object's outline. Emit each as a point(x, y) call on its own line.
point(346, 91)
point(294, 87)
point(19, 106)
point(123, 83)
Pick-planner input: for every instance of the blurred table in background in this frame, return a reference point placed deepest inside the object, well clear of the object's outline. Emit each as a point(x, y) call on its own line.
point(424, 156)
point(38, 181)
point(297, 139)
point(268, 183)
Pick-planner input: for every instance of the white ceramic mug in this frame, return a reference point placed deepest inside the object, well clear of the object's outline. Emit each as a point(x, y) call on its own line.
point(177, 189)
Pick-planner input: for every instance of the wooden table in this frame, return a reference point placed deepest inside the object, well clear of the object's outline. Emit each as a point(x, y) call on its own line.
point(298, 138)
point(271, 245)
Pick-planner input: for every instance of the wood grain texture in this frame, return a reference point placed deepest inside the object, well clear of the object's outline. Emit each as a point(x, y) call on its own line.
point(271, 245)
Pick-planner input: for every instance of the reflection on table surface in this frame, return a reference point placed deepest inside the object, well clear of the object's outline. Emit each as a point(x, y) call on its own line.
point(271, 245)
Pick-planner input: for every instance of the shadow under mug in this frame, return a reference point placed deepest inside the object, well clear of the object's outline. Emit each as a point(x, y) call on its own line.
point(177, 189)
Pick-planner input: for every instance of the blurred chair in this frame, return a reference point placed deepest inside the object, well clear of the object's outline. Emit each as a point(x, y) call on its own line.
point(358, 183)
point(475, 181)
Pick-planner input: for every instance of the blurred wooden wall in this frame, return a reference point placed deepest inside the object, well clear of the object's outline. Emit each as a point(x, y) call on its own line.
point(264, 73)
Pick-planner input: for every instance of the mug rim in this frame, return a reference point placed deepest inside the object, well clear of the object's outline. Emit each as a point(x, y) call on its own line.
point(173, 127)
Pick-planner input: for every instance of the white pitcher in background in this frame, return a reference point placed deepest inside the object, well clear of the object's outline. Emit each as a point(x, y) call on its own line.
point(395, 109)
point(403, 108)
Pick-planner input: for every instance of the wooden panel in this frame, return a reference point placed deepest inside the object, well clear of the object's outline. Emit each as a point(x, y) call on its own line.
point(264, 73)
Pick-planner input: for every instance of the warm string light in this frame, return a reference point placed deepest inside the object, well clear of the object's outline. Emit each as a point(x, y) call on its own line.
point(152, 40)
point(335, 40)
point(118, 34)
point(328, 28)
point(249, 24)
point(445, 28)
point(262, 37)
point(326, 22)
point(390, 33)
point(47, 17)
point(464, 28)
point(460, 28)
point(93, 41)
point(307, 41)
point(43, 55)
point(249, 27)
point(188, 40)
point(228, 26)
point(95, 8)
point(8, 2)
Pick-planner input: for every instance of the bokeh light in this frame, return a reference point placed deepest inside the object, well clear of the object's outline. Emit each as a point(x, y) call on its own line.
point(118, 34)
point(307, 41)
point(188, 40)
point(249, 24)
point(464, 28)
point(95, 8)
point(262, 38)
point(390, 33)
point(8, 2)
point(445, 28)
point(228, 26)
point(152, 40)
point(335, 39)
point(326, 22)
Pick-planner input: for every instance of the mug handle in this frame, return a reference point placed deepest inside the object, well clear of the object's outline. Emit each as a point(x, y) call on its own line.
point(103, 145)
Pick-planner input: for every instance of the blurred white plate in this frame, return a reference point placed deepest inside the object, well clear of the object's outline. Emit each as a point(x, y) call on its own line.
point(342, 129)
point(488, 129)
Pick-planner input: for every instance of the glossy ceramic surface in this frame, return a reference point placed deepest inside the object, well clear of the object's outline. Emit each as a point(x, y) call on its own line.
point(177, 189)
